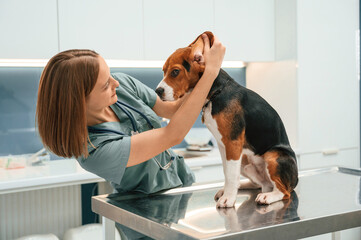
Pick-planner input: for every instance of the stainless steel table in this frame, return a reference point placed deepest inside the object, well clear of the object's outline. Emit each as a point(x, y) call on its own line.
point(325, 200)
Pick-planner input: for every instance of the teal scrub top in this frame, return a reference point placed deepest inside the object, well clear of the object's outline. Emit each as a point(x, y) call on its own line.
point(110, 156)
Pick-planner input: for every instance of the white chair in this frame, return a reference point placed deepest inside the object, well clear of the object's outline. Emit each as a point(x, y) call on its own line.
point(49, 236)
point(92, 231)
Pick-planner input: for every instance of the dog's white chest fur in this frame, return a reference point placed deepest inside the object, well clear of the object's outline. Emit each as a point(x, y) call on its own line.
point(211, 123)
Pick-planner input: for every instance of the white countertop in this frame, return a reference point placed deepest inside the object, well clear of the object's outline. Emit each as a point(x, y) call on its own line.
point(53, 174)
point(59, 173)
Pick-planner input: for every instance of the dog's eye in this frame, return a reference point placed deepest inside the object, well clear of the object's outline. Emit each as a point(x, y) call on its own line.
point(174, 73)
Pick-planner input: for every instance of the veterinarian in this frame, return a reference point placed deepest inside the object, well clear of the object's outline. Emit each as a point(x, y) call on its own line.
point(78, 116)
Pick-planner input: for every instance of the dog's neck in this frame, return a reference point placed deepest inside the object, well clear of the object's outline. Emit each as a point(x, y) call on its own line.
point(218, 85)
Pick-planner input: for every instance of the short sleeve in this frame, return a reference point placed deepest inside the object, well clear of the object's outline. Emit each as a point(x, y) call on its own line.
point(144, 92)
point(109, 159)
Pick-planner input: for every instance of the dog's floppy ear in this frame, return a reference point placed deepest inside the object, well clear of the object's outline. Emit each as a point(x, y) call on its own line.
point(198, 45)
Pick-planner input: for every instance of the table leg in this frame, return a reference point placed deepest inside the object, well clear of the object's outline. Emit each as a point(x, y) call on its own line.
point(108, 229)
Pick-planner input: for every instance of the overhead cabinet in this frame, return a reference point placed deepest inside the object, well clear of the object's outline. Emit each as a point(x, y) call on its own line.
point(113, 28)
point(254, 30)
point(251, 30)
point(28, 29)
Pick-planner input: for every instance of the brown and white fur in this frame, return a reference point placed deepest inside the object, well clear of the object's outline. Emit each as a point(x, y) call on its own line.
point(251, 137)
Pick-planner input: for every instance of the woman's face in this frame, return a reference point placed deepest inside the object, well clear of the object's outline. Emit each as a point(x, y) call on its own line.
point(103, 93)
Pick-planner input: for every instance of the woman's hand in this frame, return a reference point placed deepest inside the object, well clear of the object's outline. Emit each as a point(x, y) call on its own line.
point(213, 56)
point(166, 109)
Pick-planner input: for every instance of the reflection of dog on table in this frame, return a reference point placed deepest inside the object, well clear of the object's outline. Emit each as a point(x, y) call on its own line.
point(245, 218)
point(250, 134)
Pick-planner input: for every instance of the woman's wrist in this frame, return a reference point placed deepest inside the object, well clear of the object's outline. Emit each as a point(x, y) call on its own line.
point(211, 72)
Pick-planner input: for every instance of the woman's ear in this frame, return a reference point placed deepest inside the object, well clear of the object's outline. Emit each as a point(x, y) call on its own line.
point(197, 47)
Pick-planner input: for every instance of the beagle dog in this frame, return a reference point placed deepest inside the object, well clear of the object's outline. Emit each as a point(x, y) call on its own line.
point(250, 134)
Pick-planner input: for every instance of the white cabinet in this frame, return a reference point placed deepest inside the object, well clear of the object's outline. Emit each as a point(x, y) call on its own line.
point(246, 28)
point(28, 29)
point(113, 28)
point(317, 93)
point(327, 77)
point(347, 158)
point(252, 30)
point(169, 25)
point(328, 84)
point(257, 30)
point(208, 173)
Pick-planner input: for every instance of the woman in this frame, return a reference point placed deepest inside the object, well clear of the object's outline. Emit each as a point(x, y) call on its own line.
point(78, 116)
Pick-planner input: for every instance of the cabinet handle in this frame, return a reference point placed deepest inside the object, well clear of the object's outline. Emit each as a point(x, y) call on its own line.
point(330, 151)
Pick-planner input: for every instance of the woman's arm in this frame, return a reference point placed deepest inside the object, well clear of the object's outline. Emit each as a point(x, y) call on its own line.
point(166, 109)
point(148, 144)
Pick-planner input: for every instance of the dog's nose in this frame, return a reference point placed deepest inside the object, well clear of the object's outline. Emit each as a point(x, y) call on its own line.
point(160, 91)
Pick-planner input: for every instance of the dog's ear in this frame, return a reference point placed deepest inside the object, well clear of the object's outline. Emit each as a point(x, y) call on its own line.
point(210, 37)
point(198, 45)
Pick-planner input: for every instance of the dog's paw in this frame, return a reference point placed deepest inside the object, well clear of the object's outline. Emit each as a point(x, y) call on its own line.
point(226, 201)
point(269, 197)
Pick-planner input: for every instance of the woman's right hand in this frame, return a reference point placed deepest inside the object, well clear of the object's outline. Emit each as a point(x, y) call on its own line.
point(213, 56)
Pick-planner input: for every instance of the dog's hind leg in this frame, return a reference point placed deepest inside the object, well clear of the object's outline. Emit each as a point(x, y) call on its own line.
point(283, 175)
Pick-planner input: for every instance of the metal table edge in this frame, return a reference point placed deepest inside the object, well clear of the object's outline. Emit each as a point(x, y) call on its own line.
point(295, 230)
point(153, 227)
point(290, 230)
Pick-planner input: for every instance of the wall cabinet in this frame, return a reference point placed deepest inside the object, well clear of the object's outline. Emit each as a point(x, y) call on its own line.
point(113, 28)
point(252, 30)
point(28, 29)
point(257, 30)
point(247, 28)
point(169, 26)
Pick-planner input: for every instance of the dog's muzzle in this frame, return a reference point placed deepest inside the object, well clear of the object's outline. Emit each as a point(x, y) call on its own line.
point(159, 91)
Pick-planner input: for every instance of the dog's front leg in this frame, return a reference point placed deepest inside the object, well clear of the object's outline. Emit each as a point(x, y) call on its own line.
point(226, 197)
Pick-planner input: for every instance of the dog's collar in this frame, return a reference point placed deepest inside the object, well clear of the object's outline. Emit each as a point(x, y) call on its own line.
point(214, 95)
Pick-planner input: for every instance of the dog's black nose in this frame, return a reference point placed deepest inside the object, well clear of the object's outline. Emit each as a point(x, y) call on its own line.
point(160, 91)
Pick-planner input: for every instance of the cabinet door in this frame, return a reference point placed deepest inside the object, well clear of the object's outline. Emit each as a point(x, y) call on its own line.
point(28, 29)
point(113, 28)
point(345, 158)
point(328, 84)
point(169, 25)
point(246, 28)
point(211, 173)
